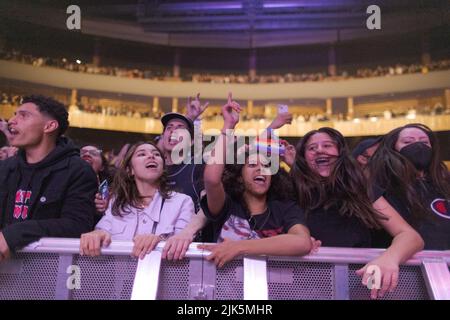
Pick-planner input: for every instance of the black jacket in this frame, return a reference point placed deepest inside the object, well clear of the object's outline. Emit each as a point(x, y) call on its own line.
point(62, 204)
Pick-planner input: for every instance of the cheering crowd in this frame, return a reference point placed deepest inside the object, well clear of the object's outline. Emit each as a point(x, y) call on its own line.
point(390, 192)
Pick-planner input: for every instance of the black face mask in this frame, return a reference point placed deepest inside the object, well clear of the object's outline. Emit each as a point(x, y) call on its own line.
point(419, 154)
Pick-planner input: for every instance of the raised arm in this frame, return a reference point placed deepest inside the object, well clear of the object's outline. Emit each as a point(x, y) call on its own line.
point(216, 164)
point(194, 108)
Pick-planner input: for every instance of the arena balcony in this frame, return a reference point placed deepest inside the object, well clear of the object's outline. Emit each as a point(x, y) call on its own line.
point(346, 91)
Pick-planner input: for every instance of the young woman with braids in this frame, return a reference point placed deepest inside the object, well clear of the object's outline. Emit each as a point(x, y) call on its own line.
point(416, 182)
point(335, 197)
point(142, 208)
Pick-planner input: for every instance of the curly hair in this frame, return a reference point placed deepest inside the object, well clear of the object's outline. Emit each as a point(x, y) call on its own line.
point(281, 186)
point(52, 108)
point(343, 189)
point(398, 176)
point(124, 189)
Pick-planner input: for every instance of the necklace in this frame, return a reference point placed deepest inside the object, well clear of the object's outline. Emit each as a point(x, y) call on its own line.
point(143, 205)
point(252, 221)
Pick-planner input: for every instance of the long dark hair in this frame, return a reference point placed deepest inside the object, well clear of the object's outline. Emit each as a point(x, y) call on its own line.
point(124, 189)
point(281, 186)
point(345, 188)
point(395, 173)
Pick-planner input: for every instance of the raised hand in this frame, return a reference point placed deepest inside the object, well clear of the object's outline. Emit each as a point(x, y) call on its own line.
point(230, 113)
point(289, 153)
point(281, 120)
point(195, 108)
point(4, 128)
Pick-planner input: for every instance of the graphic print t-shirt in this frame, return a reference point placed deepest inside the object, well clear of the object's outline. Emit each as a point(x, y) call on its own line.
point(235, 223)
point(23, 196)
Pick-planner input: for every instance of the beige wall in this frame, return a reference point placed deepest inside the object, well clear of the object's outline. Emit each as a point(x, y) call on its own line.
point(148, 125)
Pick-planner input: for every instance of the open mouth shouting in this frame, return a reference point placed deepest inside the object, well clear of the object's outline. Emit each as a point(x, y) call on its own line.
point(260, 180)
point(323, 161)
point(174, 139)
point(87, 158)
point(324, 164)
point(13, 131)
point(152, 165)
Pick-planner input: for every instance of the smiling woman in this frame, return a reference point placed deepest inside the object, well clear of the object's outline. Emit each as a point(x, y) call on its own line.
point(248, 220)
point(142, 208)
point(341, 209)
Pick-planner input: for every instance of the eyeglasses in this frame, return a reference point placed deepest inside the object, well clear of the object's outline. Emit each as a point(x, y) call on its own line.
point(93, 153)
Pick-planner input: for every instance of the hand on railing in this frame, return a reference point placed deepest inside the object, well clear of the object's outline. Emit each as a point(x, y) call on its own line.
point(92, 242)
point(380, 276)
point(315, 245)
point(176, 246)
point(144, 244)
point(4, 249)
point(223, 252)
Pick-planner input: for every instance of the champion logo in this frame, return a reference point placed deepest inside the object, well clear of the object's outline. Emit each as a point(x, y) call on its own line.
point(441, 207)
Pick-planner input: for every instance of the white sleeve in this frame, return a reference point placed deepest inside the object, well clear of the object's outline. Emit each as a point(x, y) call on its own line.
point(106, 221)
point(185, 213)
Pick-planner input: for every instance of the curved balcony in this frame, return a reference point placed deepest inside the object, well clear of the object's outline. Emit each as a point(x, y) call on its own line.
point(247, 92)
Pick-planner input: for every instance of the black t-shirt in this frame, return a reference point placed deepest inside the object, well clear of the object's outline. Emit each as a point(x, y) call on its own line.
point(435, 227)
point(236, 223)
point(187, 179)
point(335, 230)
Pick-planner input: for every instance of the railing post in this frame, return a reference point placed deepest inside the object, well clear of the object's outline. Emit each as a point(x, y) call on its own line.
point(202, 279)
point(62, 291)
point(255, 279)
point(437, 278)
point(146, 280)
point(341, 282)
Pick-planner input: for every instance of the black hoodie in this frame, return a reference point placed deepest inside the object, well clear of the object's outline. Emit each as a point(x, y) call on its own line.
point(51, 198)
